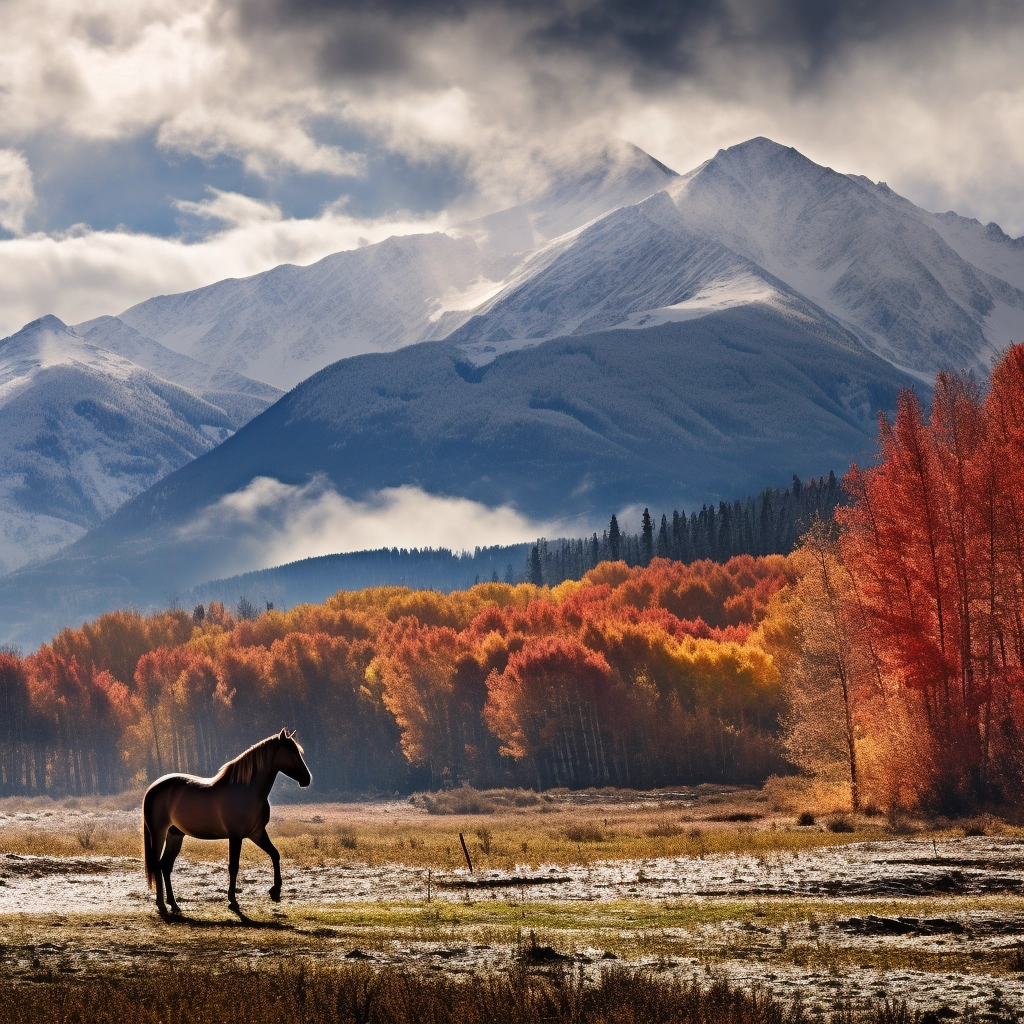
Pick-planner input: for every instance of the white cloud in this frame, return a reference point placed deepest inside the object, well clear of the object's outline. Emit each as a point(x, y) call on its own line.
point(270, 523)
point(85, 273)
point(17, 196)
point(935, 111)
point(269, 144)
point(110, 69)
point(231, 208)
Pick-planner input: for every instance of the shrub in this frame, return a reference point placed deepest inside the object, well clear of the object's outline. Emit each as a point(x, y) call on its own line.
point(464, 800)
point(839, 823)
point(584, 834)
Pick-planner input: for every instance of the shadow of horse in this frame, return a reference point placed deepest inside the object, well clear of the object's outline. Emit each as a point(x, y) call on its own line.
point(241, 920)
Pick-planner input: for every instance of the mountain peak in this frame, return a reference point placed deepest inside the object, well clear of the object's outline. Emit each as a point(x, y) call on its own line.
point(47, 323)
point(761, 156)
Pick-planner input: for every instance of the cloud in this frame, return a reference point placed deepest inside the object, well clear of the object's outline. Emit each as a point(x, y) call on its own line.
point(17, 196)
point(83, 273)
point(921, 93)
point(107, 69)
point(494, 94)
point(271, 523)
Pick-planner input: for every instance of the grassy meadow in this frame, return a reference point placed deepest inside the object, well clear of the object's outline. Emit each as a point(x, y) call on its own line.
point(382, 921)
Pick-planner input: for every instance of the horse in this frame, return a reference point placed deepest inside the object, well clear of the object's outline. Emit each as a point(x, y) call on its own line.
point(232, 805)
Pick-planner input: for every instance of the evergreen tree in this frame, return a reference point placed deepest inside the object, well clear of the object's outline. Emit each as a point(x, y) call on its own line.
point(614, 540)
point(536, 571)
point(647, 538)
point(664, 544)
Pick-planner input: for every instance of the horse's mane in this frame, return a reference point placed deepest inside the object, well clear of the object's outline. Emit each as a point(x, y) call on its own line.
point(249, 762)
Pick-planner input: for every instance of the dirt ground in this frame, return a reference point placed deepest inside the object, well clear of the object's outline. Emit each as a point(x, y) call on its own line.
point(703, 883)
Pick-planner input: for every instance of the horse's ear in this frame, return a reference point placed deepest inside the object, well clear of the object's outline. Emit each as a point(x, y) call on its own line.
point(283, 734)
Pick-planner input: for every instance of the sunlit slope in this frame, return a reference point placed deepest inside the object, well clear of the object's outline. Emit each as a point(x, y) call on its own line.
point(628, 242)
point(285, 324)
point(925, 291)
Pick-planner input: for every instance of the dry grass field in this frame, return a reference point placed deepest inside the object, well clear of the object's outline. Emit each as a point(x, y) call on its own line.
point(502, 828)
point(777, 890)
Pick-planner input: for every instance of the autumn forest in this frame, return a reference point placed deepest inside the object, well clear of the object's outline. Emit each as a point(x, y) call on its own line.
point(885, 654)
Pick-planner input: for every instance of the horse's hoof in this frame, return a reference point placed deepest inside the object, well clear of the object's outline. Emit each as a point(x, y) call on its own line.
point(233, 905)
point(175, 909)
point(275, 894)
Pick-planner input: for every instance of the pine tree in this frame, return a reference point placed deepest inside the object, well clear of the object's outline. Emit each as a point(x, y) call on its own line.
point(536, 572)
point(664, 545)
point(614, 539)
point(647, 538)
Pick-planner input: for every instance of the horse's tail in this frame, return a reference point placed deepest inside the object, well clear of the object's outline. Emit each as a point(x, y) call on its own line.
point(150, 854)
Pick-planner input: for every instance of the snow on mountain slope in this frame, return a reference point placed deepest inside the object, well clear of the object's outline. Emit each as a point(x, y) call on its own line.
point(621, 242)
point(83, 429)
point(638, 266)
point(921, 290)
point(620, 175)
point(285, 324)
point(240, 397)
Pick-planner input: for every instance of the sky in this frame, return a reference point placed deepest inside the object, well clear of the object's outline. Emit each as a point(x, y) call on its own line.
point(151, 146)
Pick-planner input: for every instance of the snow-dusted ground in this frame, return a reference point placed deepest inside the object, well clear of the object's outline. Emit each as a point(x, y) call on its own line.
point(843, 951)
point(897, 868)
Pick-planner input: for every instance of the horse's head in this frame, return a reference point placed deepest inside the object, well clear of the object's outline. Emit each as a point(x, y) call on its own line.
point(288, 759)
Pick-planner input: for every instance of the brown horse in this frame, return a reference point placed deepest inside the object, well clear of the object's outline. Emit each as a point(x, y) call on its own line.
point(232, 805)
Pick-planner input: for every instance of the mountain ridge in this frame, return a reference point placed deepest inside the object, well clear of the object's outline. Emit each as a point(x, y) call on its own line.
point(564, 432)
point(83, 428)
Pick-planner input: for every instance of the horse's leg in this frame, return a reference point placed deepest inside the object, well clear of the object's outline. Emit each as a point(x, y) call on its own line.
point(158, 842)
point(159, 835)
point(174, 840)
point(234, 852)
point(155, 822)
point(264, 843)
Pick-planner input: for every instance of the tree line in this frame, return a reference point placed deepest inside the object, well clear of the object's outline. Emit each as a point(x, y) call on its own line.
point(633, 676)
point(770, 523)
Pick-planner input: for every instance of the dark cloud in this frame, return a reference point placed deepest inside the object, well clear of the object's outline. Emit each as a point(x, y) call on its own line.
point(650, 39)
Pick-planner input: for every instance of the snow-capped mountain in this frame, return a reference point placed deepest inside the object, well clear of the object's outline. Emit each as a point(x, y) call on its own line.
point(631, 336)
point(83, 429)
point(925, 291)
point(564, 432)
point(629, 242)
point(240, 397)
point(284, 325)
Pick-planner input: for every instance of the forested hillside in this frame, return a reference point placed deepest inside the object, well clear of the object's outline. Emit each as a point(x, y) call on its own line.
point(770, 523)
point(884, 655)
